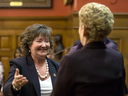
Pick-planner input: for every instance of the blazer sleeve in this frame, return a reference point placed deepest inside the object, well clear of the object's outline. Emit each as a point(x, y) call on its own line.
point(7, 89)
point(65, 79)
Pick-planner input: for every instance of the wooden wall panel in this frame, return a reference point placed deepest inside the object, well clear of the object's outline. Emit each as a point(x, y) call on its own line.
point(23, 22)
point(5, 43)
point(18, 40)
point(121, 20)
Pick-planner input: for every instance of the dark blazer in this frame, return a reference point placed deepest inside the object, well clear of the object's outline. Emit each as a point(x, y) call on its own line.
point(27, 68)
point(95, 70)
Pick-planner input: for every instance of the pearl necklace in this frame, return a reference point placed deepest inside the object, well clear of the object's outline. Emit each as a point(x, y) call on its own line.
point(47, 69)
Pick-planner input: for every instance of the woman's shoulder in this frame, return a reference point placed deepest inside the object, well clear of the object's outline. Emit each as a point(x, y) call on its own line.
point(20, 60)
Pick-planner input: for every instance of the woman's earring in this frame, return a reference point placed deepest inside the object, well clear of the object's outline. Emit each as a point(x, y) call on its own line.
point(29, 51)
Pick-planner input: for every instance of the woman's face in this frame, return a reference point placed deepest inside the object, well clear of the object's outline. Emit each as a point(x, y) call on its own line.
point(40, 47)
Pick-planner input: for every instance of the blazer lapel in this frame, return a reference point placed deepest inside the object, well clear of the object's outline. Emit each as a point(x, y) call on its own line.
point(53, 71)
point(33, 75)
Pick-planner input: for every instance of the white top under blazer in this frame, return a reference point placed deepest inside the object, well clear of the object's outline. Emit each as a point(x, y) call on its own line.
point(46, 87)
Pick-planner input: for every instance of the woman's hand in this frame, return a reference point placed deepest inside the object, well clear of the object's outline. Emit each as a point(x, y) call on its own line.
point(19, 80)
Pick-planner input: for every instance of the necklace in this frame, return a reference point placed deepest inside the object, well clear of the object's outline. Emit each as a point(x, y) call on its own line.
point(47, 69)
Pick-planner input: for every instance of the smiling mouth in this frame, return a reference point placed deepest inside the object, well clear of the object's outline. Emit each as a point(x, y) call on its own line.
point(43, 49)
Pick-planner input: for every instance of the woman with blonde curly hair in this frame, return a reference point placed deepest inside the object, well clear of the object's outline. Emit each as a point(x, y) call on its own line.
point(33, 74)
point(95, 70)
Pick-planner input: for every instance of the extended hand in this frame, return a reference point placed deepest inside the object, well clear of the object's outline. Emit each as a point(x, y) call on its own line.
point(19, 80)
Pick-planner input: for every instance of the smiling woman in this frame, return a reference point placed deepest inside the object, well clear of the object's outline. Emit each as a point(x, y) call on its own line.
point(34, 71)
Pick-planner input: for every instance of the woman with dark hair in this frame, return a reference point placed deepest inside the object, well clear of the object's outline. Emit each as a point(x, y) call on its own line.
point(33, 74)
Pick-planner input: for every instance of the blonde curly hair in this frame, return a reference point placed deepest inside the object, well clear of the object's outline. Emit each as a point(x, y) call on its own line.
point(30, 33)
point(97, 19)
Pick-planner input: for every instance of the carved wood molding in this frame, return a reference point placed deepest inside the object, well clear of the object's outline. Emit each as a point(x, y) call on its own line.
point(124, 15)
point(34, 18)
point(120, 28)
